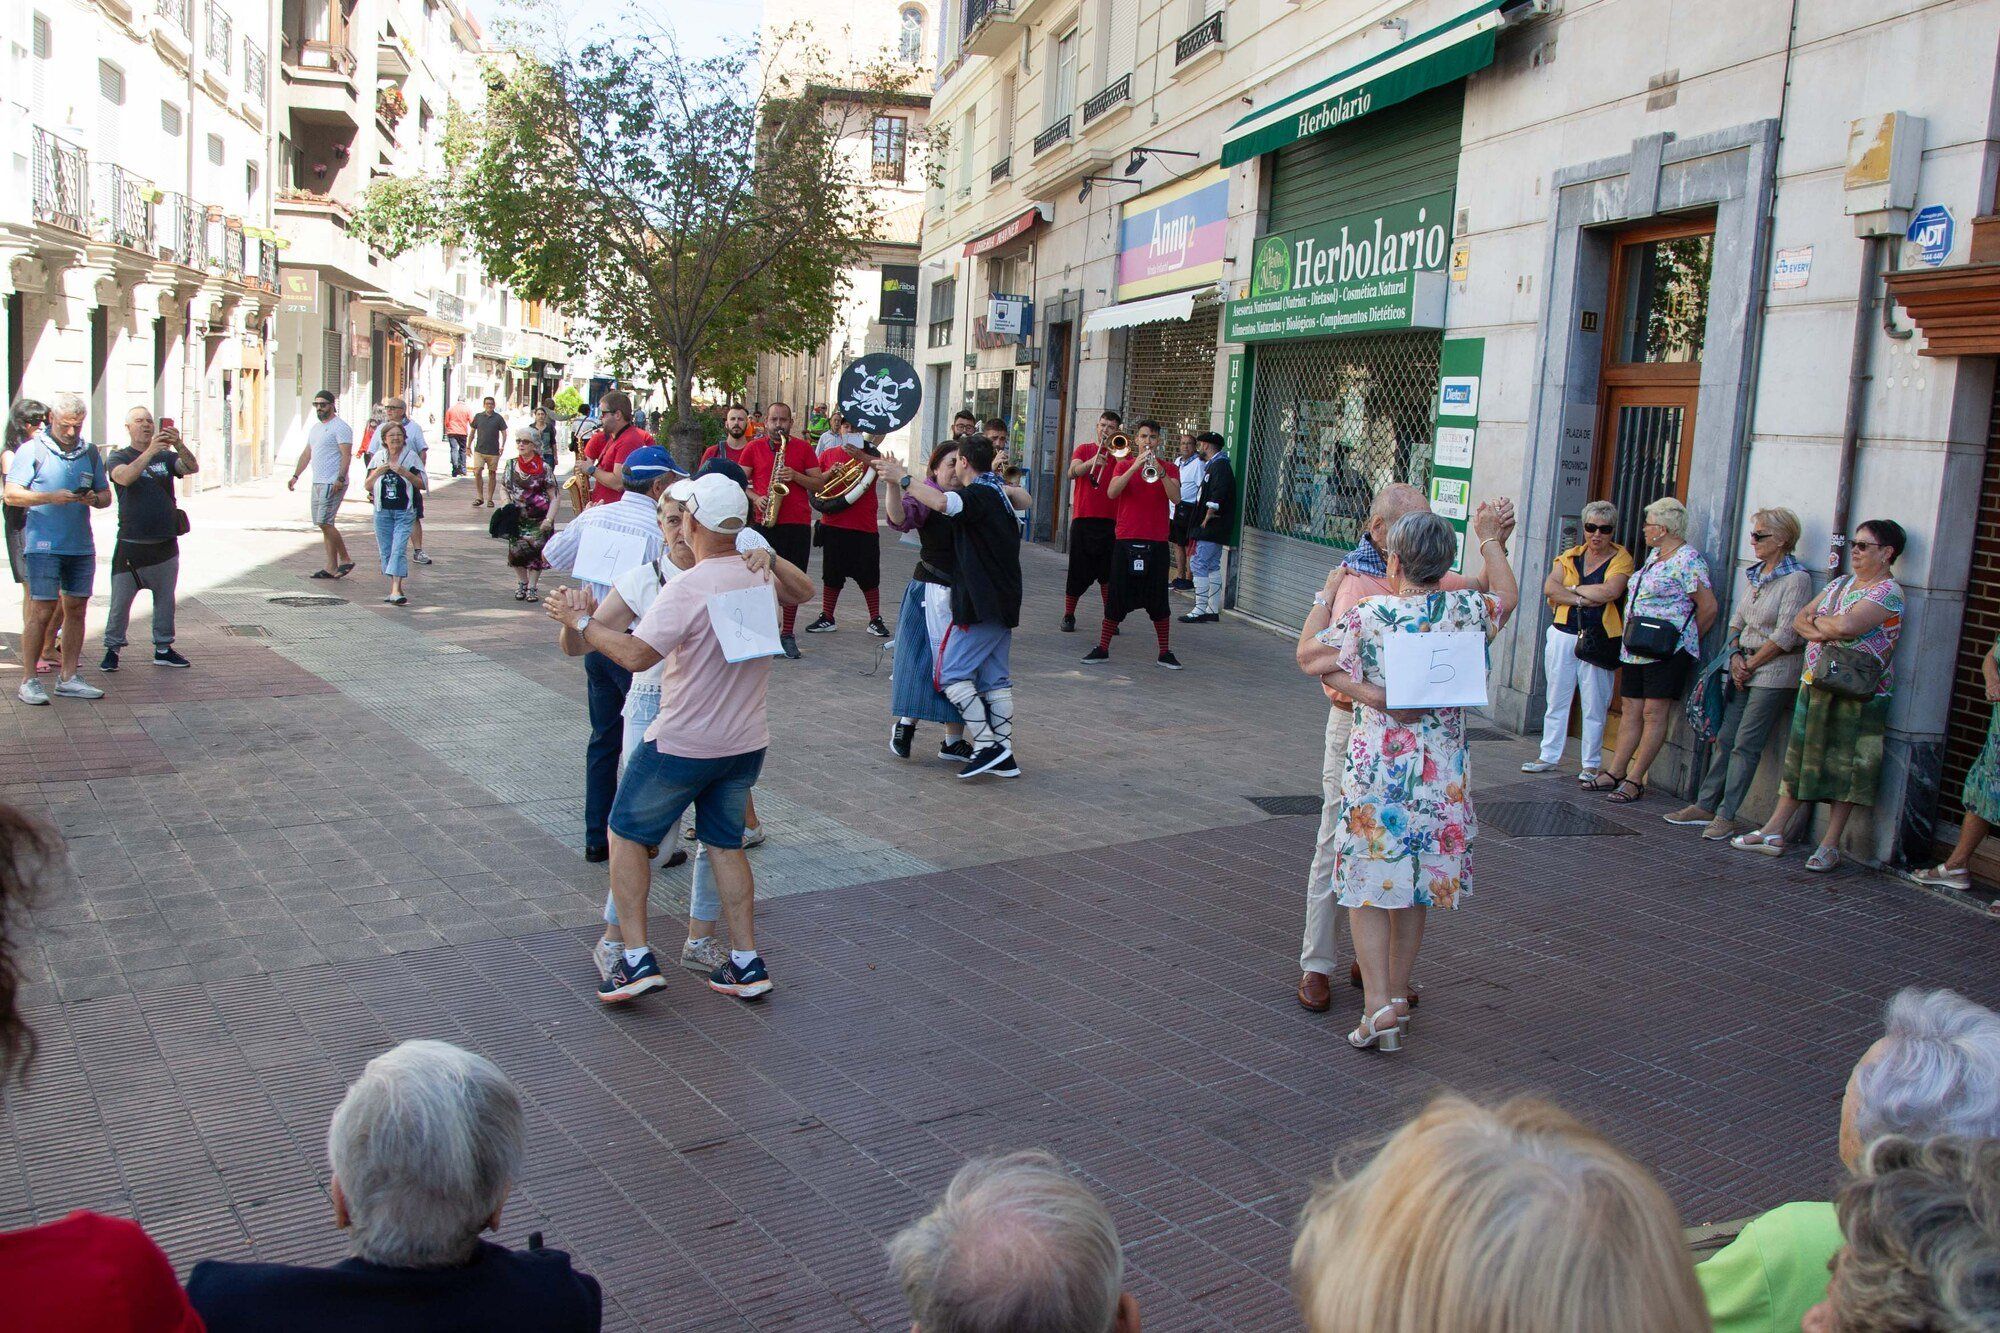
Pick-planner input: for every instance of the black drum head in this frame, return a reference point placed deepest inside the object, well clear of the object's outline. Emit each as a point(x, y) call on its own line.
point(879, 393)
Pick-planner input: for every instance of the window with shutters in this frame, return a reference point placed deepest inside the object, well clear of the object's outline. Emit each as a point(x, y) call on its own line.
point(944, 309)
point(1117, 29)
point(44, 53)
point(1170, 372)
point(215, 150)
point(170, 120)
point(1062, 78)
point(967, 130)
point(110, 83)
point(1003, 133)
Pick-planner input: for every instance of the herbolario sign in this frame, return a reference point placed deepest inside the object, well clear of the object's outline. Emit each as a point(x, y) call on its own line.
point(1359, 274)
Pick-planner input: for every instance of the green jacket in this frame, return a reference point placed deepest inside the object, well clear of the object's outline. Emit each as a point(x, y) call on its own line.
point(1766, 1279)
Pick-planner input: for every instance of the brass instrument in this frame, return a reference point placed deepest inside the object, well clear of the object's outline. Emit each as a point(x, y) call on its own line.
point(1120, 447)
point(767, 513)
point(579, 490)
point(1150, 469)
point(846, 484)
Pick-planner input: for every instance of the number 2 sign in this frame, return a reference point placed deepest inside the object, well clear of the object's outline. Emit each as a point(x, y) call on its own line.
point(1436, 669)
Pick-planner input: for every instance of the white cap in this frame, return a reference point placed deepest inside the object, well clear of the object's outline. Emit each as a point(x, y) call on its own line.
point(715, 502)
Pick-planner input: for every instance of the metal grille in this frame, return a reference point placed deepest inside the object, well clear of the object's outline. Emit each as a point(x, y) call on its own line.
point(331, 376)
point(60, 181)
point(1199, 38)
point(253, 70)
point(220, 31)
point(1118, 91)
point(1053, 135)
point(123, 215)
point(177, 12)
point(1549, 819)
point(1170, 372)
point(1646, 464)
point(1965, 727)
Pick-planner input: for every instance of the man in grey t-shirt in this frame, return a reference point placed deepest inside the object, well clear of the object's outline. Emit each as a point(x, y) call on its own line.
point(329, 448)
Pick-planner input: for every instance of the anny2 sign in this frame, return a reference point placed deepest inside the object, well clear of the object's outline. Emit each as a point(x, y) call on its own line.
point(1358, 274)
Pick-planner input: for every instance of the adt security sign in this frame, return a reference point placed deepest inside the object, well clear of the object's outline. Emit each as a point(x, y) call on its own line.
point(1930, 234)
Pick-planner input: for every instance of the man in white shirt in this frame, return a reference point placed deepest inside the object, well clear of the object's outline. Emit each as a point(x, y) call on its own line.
point(329, 448)
point(1180, 532)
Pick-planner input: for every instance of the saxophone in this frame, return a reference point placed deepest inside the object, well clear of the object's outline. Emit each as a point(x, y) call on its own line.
point(767, 513)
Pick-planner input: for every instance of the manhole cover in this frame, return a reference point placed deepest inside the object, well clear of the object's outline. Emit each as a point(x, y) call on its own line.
point(247, 631)
point(306, 599)
point(1547, 819)
point(1280, 807)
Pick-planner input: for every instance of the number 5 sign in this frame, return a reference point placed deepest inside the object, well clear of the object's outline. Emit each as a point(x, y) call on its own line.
point(1438, 669)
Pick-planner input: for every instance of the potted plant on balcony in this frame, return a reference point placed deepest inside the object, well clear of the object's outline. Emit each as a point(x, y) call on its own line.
point(390, 104)
point(152, 194)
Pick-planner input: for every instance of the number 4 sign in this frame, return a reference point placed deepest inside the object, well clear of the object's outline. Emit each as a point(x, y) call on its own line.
point(1435, 669)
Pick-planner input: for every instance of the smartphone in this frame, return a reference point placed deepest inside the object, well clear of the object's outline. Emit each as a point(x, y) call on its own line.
point(166, 423)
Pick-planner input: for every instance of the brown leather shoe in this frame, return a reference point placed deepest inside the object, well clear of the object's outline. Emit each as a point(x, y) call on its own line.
point(1314, 992)
point(1354, 980)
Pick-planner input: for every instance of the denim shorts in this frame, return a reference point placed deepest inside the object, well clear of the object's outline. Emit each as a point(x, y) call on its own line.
point(656, 789)
point(73, 575)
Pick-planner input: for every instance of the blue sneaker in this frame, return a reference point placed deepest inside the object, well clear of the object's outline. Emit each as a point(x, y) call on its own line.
point(745, 983)
point(630, 980)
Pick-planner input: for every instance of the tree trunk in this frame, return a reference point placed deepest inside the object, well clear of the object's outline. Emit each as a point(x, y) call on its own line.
point(684, 440)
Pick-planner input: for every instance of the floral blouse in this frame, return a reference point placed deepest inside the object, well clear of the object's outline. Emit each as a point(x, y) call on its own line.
point(1842, 593)
point(1666, 588)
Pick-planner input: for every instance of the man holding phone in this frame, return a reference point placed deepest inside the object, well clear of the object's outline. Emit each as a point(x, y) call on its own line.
point(148, 551)
point(58, 477)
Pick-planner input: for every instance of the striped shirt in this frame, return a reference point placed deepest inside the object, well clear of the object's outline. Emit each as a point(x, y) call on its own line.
point(632, 513)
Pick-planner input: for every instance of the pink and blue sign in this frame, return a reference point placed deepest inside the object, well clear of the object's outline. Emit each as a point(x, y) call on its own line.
point(1171, 238)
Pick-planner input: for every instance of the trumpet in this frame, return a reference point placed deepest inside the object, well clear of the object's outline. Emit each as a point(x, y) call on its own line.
point(1150, 469)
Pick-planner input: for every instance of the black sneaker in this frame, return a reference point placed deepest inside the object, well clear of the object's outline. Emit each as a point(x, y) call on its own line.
point(597, 855)
point(1098, 654)
point(900, 737)
point(878, 629)
point(1069, 624)
point(110, 662)
point(994, 760)
point(821, 626)
point(791, 646)
point(745, 983)
point(955, 752)
point(167, 657)
point(1169, 661)
point(630, 980)
point(1182, 585)
point(1192, 618)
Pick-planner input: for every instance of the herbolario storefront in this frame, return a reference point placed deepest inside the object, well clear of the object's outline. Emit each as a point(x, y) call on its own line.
point(1346, 382)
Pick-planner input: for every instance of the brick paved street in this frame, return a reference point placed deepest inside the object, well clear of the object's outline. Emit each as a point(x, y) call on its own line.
point(352, 825)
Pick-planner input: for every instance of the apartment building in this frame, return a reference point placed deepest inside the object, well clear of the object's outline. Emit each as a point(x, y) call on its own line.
point(138, 259)
point(1559, 250)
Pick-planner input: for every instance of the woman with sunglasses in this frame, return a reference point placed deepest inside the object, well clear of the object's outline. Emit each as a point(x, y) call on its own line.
point(1583, 588)
point(23, 423)
point(1765, 658)
point(1835, 751)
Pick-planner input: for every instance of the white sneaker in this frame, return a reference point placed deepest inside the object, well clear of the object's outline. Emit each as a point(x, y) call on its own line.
point(419, 556)
point(76, 687)
point(605, 954)
point(31, 692)
point(1538, 766)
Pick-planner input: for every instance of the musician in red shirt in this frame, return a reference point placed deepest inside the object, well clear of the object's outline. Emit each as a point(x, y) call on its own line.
point(850, 546)
point(1092, 519)
point(1139, 559)
point(736, 439)
point(778, 454)
point(614, 442)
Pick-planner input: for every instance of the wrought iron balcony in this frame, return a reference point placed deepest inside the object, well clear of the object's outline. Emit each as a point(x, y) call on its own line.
point(315, 53)
point(221, 35)
point(1053, 135)
point(1120, 91)
point(888, 171)
point(177, 227)
point(1199, 38)
point(120, 213)
point(254, 81)
point(449, 306)
point(978, 11)
point(180, 13)
point(1001, 170)
point(267, 265)
point(232, 247)
point(62, 185)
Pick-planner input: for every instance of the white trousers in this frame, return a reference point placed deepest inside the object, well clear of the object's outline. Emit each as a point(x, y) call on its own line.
point(1320, 950)
point(1566, 673)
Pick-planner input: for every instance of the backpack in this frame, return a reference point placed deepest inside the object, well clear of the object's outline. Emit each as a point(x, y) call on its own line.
point(1709, 699)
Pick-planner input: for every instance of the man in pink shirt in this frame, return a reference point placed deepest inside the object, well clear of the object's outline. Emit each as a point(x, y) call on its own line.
point(705, 748)
point(1363, 574)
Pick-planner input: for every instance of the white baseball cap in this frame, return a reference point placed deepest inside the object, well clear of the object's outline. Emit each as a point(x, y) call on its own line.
point(714, 501)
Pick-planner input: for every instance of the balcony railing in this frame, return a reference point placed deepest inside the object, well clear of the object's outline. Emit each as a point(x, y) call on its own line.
point(320, 54)
point(888, 171)
point(221, 35)
point(177, 227)
point(1001, 170)
point(1199, 38)
point(253, 72)
point(449, 306)
point(1120, 91)
point(267, 265)
point(180, 13)
point(62, 185)
point(120, 213)
point(1053, 135)
point(978, 11)
point(232, 247)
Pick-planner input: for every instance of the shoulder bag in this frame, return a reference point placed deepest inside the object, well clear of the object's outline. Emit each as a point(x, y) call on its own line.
point(1847, 670)
point(1653, 637)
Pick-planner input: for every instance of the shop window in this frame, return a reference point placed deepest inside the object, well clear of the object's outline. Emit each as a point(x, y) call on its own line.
point(1664, 301)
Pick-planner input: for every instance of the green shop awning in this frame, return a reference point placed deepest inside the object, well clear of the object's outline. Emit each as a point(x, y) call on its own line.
point(1451, 50)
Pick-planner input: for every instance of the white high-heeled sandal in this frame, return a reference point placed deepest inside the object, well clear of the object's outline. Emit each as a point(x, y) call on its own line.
point(1403, 1013)
point(1372, 1033)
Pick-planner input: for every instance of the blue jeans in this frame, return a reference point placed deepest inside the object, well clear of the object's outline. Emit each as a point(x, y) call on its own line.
point(606, 683)
point(658, 788)
point(978, 653)
point(1207, 558)
point(71, 575)
point(641, 707)
point(457, 454)
point(392, 539)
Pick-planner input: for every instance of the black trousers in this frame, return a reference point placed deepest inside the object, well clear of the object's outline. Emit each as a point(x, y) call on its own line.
point(1090, 544)
point(1138, 581)
point(608, 684)
point(847, 554)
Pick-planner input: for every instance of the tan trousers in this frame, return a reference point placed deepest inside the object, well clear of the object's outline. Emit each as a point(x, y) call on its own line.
point(1320, 951)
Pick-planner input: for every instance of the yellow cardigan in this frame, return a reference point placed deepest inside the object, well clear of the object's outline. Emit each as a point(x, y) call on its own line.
point(1570, 565)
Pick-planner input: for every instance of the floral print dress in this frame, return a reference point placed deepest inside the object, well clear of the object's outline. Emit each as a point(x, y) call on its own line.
point(1406, 822)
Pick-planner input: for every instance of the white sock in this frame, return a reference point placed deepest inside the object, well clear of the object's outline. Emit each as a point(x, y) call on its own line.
point(742, 957)
point(634, 957)
point(1000, 714)
point(966, 699)
point(906, 721)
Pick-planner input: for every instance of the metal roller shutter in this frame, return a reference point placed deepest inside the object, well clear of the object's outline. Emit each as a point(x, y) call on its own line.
point(1405, 152)
point(1965, 729)
point(1332, 421)
point(1170, 372)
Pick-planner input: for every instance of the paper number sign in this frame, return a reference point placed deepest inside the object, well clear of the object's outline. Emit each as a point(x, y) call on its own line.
point(745, 621)
point(1438, 669)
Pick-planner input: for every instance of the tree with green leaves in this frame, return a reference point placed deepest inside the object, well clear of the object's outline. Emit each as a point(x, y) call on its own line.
point(688, 214)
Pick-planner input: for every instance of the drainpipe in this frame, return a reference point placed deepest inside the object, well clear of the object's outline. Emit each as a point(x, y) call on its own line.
point(1857, 397)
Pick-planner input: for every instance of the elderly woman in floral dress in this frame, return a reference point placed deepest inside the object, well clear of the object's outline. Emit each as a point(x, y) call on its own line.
point(1404, 841)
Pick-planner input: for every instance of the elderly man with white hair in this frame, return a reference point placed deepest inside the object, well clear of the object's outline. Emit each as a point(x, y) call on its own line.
point(58, 477)
point(1016, 1245)
point(424, 1148)
point(1935, 1071)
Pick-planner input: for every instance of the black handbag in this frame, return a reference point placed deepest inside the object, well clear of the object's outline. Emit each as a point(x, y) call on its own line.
point(1652, 637)
point(1593, 645)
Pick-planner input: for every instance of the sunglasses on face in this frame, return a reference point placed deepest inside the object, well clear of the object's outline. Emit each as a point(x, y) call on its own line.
point(1761, 536)
point(1865, 546)
point(1599, 527)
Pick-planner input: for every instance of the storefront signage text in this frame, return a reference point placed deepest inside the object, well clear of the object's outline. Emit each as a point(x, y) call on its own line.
point(1171, 239)
point(1461, 363)
point(1354, 274)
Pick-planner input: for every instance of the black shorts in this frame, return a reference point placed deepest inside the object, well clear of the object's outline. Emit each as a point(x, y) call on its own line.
point(1664, 679)
point(846, 554)
point(1180, 529)
point(1090, 544)
point(792, 541)
point(1138, 581)
point(420, 506)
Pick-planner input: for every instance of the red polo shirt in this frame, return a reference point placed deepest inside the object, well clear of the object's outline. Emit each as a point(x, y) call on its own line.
point(610, 454)
point(760, 460)
point(859, 516)
point(1087, 498)
point(740, 456)
point(1142, 505)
